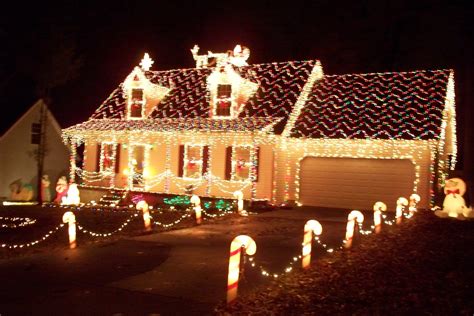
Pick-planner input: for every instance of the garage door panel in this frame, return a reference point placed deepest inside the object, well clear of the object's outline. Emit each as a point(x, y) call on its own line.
point(354, 182)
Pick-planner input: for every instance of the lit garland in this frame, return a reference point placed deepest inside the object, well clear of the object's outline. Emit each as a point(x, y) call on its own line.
point(95, 234)
point(177, 200)
point(16, 222)
point(35, 242)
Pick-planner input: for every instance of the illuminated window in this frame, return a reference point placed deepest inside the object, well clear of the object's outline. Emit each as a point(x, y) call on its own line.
point(136, 103)
point(223, 100)
point(241, 163)
point(193, 161)
point(108, 152)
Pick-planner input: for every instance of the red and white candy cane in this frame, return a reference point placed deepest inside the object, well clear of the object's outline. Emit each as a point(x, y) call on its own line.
point(379, 207)
point(234, 263)
point(414, 199)
point(143, 206)
point(196, 201)
point(401, 203)
point(351, 220)
point(70, 219)
point(311, 226)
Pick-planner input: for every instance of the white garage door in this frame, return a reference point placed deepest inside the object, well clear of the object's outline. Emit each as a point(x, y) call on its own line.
point(355, 183)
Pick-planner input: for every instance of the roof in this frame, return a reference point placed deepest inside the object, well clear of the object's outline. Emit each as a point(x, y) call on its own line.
point(390, 105)
point(280, 84)
point(35, 107)
point(404, 105)
point(176, 124)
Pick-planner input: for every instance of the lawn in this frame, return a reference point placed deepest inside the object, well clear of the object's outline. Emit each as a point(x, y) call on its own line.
point(424, 266)
point(92, 220)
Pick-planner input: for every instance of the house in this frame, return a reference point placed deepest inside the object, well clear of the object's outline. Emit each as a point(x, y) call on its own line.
point(19, 149)
point(281, 131)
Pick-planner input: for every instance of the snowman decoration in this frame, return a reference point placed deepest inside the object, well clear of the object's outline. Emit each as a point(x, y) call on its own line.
point(454, 204)
point(73, 197)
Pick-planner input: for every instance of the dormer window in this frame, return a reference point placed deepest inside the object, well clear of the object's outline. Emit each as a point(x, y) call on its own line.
point(136, 103)
point(224, 101)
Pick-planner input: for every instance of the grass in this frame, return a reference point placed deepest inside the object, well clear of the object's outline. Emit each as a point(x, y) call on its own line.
point(424, 266)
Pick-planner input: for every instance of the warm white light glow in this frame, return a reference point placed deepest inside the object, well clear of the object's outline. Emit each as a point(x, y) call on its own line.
point(70, 219)
point(234, 263)
point(311, 227)
point(146, 62)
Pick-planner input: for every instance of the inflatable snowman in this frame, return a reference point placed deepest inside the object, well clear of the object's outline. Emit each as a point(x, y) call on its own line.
point(454, 204)
point(72, 197)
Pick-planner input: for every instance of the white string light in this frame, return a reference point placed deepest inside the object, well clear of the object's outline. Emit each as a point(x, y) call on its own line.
point(23, 221)
point(35, 242)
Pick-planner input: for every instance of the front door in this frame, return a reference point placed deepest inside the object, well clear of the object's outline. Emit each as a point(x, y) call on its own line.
point(138, 166)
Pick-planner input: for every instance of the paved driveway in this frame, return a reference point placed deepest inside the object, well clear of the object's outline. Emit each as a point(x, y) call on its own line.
point(175, 272)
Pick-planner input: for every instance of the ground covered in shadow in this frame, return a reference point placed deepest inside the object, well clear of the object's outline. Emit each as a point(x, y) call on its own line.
point(424, 266)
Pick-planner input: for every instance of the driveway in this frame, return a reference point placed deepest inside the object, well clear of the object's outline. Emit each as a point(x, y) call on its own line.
point(175, 272)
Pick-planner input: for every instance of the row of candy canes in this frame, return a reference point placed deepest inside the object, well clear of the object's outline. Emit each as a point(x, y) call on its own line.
point(312, 228)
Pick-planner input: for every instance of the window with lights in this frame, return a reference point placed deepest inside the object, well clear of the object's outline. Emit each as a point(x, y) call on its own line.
point(136, 103)
point(107, 157)
point(241, 163)
point(223, 101)
point(193, 161)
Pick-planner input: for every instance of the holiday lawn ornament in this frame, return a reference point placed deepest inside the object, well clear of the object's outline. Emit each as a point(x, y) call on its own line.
point(20, 191)
point(70, 219)
point(236, 246)
point(350, 228)
point(45, 192)
point(61, 189)
point(72, 197)
point(454, 204)
point(379, 207)
point(240, 203)
point(414, 200)
point(143, 206)
point(311, 227)
point(196, 201)
point(401, 204)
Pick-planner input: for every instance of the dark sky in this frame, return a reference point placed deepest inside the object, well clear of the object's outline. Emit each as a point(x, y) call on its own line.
point(347, 36)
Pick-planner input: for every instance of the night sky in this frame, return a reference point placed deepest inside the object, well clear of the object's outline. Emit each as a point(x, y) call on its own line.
point(110, 38)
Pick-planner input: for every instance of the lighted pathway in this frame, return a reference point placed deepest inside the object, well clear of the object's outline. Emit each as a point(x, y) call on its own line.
point(176, 272)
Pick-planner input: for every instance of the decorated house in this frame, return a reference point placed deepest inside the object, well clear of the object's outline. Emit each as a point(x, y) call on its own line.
point(281, 131)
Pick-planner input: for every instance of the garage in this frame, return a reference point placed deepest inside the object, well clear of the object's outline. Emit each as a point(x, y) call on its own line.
point(354, 183)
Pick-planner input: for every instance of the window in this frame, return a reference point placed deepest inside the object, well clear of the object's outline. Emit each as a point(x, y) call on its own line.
point(136, 103)
point(193, 161)
point(223, 100)
point(224, 91)
point(108, 154)
point(241, 163)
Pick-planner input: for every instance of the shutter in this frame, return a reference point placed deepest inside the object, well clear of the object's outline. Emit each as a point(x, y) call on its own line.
point(117, 158)
point(97, 161)
point(257, 168)
point(181, 161)
point(205, 159)
point(228, 163)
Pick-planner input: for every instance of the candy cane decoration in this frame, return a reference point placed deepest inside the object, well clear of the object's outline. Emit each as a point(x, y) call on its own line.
point(351, 219)
point(379, 207)
point(197, 207)
point(143, 206)
point(401, 203)
point(234, 263)
point(311, 226)
point(70, 218)
point(414, 199)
